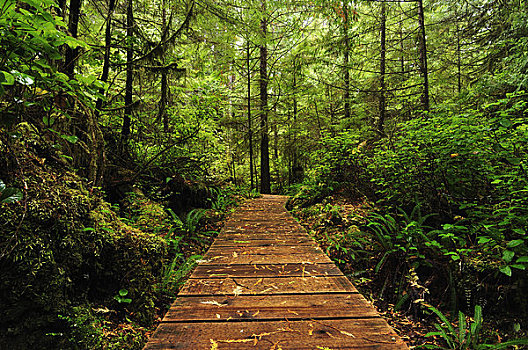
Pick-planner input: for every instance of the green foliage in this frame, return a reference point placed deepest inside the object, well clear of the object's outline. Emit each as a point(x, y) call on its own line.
point(465, 336)
point(31, 39)
point(224, 198)
point(175, 272)
point(9, 194)
point(121, 297)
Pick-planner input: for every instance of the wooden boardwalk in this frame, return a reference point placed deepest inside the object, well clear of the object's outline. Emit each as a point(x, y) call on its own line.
point(265, 284)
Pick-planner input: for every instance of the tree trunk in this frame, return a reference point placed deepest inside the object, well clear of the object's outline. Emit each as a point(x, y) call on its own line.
point(382, 101)
point(423, 56)
point(265, 181)
point(345, 62)
point(125, 131)
point(71, 55)
point(459, 60)
point(106, 60)
point(162, 107)
point(250, 126)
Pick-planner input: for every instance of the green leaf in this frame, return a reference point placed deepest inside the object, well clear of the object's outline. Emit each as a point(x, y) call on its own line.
point(519, 231)
point(123, 292)
point(70, 138)
point(508, 255)
point(23, 78)
point(484, 240)
point(522, 259)
point(506, 270)
point(505, 123)
point(11, 195)
point(6, 78)
point(515, 243)
point(519, 266)
point(48, 121)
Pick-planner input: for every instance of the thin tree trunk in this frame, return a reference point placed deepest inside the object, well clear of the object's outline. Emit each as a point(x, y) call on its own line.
point(423, 56)
point(125, 131)
point(106, 59)
point(345, 62)
point(459, 60)
point(295, 157)
point(250, 126)
point(265, 181)
point(162, 108)
point(71, 55)
point(382, 101)
point(62, 8)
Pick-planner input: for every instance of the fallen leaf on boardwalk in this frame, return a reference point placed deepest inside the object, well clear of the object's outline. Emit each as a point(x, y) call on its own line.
point(212, 302)
point(231, 341)
point(235, 255)
point(293, 312)
point(217, 315)
point(256, 313)
point(349, 334)
point(214, 345)
point(260, 280)
point(237, 290)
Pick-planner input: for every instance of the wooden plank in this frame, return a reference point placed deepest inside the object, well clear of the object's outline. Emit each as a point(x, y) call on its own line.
point(265, 270)
point(259, 250)
point(269, 307)
point(264, 234)
point(273, 285)
point(301, 335)
point(268, 241)
point(216, 258)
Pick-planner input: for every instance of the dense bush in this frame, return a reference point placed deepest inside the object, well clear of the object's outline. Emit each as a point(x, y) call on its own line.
point(453, 190)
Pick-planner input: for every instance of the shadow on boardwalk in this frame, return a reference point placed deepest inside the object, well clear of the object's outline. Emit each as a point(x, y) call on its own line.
point(265, 284)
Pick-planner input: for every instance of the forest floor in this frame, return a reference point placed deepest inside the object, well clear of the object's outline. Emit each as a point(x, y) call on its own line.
point(327, 225)
point(330, 224)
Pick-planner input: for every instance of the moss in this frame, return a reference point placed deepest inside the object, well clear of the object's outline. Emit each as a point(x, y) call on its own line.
point(63, 247)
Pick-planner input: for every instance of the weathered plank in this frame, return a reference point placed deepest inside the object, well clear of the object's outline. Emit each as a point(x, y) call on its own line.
point(213, 258)
point(259, 250)
point(270, 241)
point(270, 307)
point(265, 270)
point(265, 285)
point(368, 333)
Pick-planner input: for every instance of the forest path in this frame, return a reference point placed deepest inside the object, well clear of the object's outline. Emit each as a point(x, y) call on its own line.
point(265, 284)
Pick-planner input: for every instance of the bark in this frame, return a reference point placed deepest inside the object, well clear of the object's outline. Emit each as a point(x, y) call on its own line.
point(265, 181)
point(71, 55)
point(250, 126)
point(346, 55)
point(423, 56)
point(125, 131)
point(162, 107)
point(382, 101)
point(459, 61)
point(106, 60)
